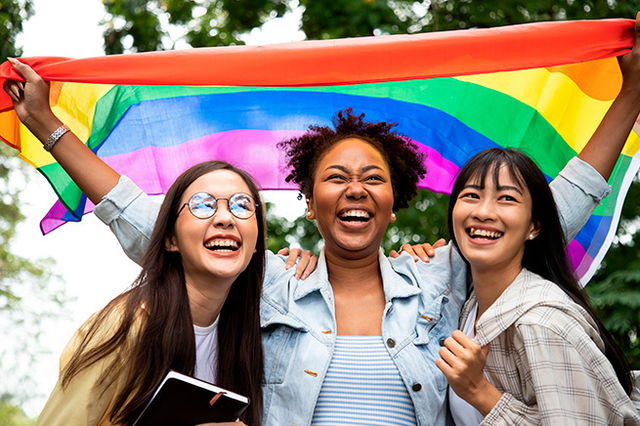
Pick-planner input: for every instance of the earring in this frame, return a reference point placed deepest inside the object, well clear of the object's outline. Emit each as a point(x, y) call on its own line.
point(393, 217)
point(532, 236)
point(309, 215)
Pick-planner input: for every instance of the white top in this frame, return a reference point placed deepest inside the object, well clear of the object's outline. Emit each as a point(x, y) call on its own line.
point(206, 352)
point(462, 412)
point(363, 386)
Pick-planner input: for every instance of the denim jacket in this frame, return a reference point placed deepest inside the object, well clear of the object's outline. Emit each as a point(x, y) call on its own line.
point(298, 317)
point(299, 333)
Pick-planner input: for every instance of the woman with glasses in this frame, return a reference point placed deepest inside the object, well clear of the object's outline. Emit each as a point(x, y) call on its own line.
point(194, 308)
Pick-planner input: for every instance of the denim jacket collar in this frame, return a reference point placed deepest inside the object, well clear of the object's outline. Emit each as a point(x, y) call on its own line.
point(319, 279)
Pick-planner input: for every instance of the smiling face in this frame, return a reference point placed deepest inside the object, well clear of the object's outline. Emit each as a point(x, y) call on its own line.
point(219, 247)
point(352, 198)
point(492, 221)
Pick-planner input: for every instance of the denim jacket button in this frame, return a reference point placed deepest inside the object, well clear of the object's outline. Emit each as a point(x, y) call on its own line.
point(391, 343)
point(416, 387)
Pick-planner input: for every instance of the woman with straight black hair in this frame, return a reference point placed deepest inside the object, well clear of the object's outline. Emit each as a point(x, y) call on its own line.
point(549, 359)
point(194, 308)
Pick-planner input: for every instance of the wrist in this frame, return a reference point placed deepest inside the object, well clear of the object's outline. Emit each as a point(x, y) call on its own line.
point(630, 91)
point(42, 125)
point(484, 397)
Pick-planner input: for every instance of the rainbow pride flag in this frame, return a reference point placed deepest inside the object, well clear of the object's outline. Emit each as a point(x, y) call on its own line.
point(542, 88)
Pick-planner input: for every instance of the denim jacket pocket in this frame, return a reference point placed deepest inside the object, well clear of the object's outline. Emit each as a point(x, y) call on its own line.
point(279, 339)
point(428, 324)
point(430, 328)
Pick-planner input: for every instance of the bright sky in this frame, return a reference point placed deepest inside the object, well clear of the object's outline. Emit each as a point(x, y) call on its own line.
point(89, 259)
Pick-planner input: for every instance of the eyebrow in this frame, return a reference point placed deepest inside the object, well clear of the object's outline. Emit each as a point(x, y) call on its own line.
point(346, 170)
point(499, 188)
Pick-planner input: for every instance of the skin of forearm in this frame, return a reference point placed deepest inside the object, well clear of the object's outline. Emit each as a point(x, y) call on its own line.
point(609, 138)
point(94, 177)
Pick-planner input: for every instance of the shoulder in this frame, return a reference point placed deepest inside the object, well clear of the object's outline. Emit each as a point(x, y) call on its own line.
point(555, 316)
point(445, 266)
point(100, 327)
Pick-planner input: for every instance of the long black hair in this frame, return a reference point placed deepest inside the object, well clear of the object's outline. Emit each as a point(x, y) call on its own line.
point(165, 339)
point(545, 255)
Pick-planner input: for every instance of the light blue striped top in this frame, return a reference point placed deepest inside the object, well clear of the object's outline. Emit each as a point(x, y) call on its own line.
point(363, 386)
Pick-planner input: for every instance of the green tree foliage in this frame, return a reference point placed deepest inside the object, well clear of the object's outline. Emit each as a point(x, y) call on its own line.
point(11, 414)
point(615, 289)
point(12, 14)
point(139, 25)
point(29, 293)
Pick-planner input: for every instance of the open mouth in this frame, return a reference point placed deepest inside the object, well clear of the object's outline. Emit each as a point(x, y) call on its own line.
point(483, 234)
point(354, 215)
point(222, 245)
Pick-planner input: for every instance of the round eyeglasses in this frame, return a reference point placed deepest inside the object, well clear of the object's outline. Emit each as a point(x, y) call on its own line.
point(203, 205)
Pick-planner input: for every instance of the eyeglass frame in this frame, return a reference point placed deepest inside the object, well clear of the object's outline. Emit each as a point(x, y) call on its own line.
point(214, 211)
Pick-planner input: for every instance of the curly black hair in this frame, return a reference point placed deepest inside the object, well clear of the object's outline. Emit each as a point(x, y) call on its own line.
point(404, 159)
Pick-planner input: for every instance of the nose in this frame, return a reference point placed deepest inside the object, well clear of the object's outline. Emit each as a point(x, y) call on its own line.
point(355, 191)
point(485, 210)
point(223, 218)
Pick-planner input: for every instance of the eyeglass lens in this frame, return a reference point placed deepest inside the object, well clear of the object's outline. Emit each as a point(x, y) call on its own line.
point(203, 205)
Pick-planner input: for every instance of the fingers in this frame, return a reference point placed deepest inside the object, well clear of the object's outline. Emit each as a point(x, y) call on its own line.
point(460, 350)
point(485, 350)
point(302, 262)
point(411, 251)
point(12, 89)
point(440, 243)
point(24, 70)
point(294, 253)
point(308, 263)
point(454, 346)
point(423, 251)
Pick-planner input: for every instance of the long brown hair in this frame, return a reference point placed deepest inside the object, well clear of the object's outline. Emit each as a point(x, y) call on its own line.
point(164, 340)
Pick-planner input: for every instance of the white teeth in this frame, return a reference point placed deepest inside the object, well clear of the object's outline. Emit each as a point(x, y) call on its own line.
point(474, 232)
point(219, 242)
point(355, 213)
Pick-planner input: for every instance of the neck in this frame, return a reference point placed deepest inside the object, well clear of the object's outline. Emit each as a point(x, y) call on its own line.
point(490, 283)
point(354, 274)
point(206, 299)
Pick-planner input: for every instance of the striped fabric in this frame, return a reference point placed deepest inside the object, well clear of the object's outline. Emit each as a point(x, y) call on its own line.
point(363, 386)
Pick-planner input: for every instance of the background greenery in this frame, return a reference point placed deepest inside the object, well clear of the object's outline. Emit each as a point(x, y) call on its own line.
point(137, 26)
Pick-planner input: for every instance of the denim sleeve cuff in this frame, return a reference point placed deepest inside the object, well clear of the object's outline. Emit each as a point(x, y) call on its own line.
point(120, 196)
point(583, 175)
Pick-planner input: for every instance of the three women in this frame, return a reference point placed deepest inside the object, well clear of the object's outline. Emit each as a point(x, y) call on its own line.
point(354, 177)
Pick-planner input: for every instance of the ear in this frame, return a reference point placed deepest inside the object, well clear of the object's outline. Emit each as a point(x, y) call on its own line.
point(535, 229)
point(170, 244)
point(311, 214)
